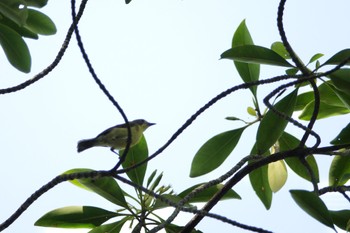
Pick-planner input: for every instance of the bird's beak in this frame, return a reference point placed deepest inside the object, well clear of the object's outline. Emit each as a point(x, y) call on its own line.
point(150, 124)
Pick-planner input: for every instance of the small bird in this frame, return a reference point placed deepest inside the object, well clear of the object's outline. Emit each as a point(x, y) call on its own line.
point(116, 137)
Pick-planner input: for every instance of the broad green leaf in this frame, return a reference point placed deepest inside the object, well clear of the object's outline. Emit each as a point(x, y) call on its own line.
point(343, 137)
point(341, 219)
point(110, 228)
point(325, 110)
point(343, 96)
point(75, 217)
point(135, 155)
point(338, 58)
point(15, 48)
point(277, 175)
point(106, 187)
point(20, 30)
point(214, 152)
point(256, 55)
point(313, 205)
point(316, 57)
point(331, 104)
point(339, 172)
point(279, 48)
point(39, 23)
point(288, 142)
point(208, 193)
point(14, 13)
point(272, 126)
point(260, 183)
point(303, 99)
point(36, 3)
point(341, 79)
point(248, 72)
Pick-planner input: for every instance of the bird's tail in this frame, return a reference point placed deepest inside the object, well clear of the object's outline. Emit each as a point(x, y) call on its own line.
point(85, 144)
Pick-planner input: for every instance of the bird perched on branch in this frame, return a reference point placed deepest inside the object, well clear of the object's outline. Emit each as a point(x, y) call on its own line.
point(116, 137)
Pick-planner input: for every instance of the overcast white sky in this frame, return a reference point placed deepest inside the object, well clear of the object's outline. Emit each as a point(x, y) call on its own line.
point(160, 60)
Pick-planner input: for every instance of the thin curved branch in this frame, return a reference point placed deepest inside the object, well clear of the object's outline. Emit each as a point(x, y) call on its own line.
point(285, 42)
point(101, 85)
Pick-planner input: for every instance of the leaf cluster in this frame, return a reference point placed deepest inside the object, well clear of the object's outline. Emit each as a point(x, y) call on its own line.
point(19, 20)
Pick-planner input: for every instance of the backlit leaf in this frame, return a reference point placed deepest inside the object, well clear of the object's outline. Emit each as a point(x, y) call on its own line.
point(343, 137)
point(75, 217)
point(339, 171)
point(277, 175)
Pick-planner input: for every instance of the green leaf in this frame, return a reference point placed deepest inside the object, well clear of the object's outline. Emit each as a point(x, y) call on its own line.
point(106, 187)
point(20, 30)
point(313, 205)
point(150, 178)
point(331, 104)
point(110, 228)
point(341, 218)
point(339, 171)
point(36, 3)
point(256, 55)
point(341, 80)
point(260, 182)
point(214, 152)
point(325, 111)
point(343, 137)
point(156, 182)
point(277, 175)
point(292, 71)
point(15, 48)
point(248, 72)
point(288, 142)
point(135, 155)
point(316, 57)
point(232, 118)
point(208, 193)
point(75, 217)
point(343, 96)
point(13, 12)
point(159, 204)
point(338, 58)
point(279, 48)
point(39, 23)
point(272, 126)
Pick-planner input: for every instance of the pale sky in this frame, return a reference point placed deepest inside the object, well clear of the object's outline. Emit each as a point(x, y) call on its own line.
point(160, 60)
